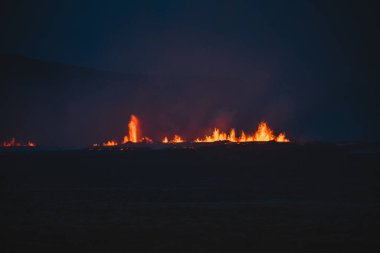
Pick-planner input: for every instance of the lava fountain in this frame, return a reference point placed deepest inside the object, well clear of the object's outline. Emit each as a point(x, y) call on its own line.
point(134, 135)
point(134, 130)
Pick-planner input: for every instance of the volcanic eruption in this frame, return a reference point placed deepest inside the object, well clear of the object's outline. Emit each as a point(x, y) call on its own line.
point(262, 134)
point(134, 135)
point(134, 130)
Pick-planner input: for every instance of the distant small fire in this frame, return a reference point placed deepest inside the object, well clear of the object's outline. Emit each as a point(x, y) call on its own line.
point(176, 139)
point(262, 134)
point(110, 143)
point(13, 143)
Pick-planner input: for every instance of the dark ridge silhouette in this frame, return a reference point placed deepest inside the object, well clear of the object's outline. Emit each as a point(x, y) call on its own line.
point(312, 197)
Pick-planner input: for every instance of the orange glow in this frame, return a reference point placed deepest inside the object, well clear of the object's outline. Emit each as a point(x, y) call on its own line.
point(176, 139)
point(134, 129)
point(30, 144)
point(218, 135)
point(125, 139)
point(263, 133)
point(12, 143)
point(110, 143)
point(146, 139)
point(281, 138)
point(134, 134)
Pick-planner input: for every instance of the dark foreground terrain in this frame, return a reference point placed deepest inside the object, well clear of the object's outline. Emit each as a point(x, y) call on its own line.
point(227, 198)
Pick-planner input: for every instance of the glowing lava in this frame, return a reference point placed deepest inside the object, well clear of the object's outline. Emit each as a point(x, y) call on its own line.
point(134, 130)
point(282, 138)
point(176, 139)
point(146, 139)
point(134, 135)
point(218, 135)
point(263, 133)
point(31, 144)
point(13, 143)
point(110, 143)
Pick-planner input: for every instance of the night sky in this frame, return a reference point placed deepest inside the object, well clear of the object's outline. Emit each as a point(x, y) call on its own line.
point(307, 67)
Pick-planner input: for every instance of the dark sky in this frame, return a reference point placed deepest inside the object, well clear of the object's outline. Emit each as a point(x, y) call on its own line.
point(142, 36)
point(325, 52)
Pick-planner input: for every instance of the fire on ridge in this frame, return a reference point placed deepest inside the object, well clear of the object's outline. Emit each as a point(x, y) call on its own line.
point(134, 135)
point(13, 143)
point(262, 134)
